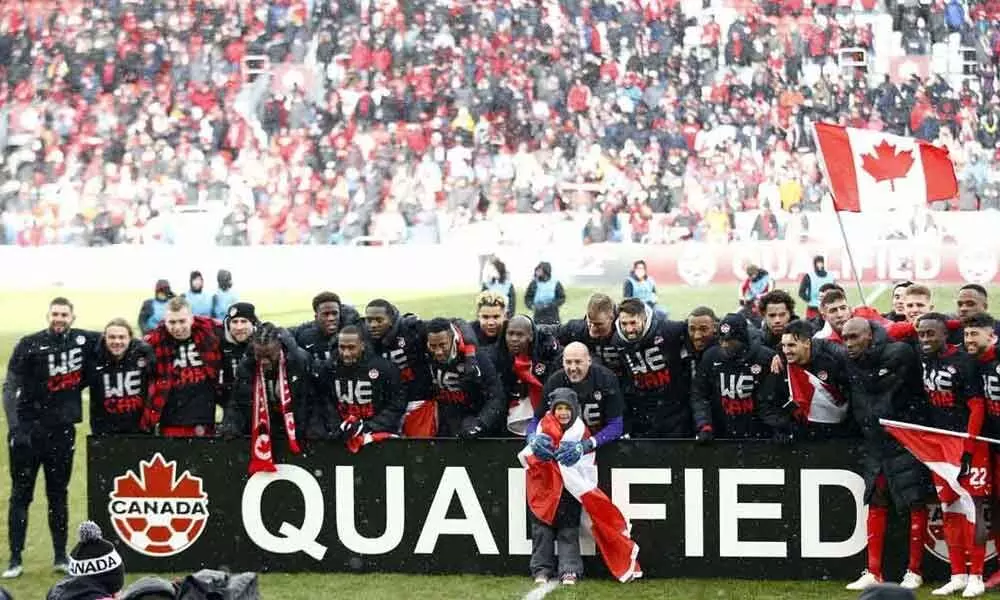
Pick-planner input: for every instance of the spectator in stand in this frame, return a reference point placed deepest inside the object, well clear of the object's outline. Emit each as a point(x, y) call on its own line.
point(432, 118)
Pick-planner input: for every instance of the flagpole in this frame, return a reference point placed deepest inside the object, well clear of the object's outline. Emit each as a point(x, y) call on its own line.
point(843, 233)
point(850, 257)
point(959, 434)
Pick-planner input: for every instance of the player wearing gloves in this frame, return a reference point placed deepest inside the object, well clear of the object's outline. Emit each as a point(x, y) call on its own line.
point(525, 358)
point(365, 389)
point(465, 383)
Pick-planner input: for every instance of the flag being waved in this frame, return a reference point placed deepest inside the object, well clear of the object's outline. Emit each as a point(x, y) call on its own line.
point(878, 168)
point(545, 482)
point(941, 451)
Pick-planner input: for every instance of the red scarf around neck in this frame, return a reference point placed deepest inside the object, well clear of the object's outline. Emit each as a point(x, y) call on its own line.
point(261, 457)
point(522, 370)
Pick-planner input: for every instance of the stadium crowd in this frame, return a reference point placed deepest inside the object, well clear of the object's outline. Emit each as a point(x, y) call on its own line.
point(400, 120)
point(360, 375)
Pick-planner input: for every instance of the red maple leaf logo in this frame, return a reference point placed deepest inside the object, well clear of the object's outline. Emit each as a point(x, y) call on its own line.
point(158, 480)
point(887, 164)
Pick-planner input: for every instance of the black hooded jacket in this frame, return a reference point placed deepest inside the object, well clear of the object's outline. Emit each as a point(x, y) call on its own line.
point(238, 411)
point(370, 390)
point(886, 383)
point(466, 388)
point(482, 340)
point(119, 389)
point(828, 362)
point(549, 312)
point(654, 403)
point(546, 359)
point(403, 346)
point(734, 393)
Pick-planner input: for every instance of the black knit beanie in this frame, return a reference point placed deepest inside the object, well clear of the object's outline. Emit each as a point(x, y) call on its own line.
point(96, 559)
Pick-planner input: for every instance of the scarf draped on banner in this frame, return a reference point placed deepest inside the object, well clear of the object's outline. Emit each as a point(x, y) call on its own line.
point(546, 480)
point(261, 456)
point(355, 442)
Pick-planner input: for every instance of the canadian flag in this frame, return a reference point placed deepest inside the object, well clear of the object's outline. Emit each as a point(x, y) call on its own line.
point(545, 481)
point(817, 402)
point(890, 171)
point(941, 451)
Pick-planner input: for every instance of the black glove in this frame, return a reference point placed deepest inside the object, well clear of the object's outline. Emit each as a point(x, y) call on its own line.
point(783, 438)
point(966, 467)
point(704, 436)
point(472, 432)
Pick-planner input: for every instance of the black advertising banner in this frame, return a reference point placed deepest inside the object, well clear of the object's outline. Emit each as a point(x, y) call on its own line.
point(735, 510)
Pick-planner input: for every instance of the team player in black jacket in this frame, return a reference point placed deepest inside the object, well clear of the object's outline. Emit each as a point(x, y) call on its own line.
point(330, 315)
point(596, 331)
point(118, 379)
point(45, 376)
point(524, 359)
point(651, 347)
point(491, 314)
point(401, 339)
point(885, 383)
point(734, 392)
point(598, 392)
point(234, 340)
point(827, 362)
point(465, 383)
point(363, 388)
point(951, 386)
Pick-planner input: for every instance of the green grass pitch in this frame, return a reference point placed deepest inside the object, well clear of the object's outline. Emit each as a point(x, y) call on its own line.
point(24, 312)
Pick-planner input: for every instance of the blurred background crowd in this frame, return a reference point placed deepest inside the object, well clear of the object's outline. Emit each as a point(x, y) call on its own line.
point(387, 121)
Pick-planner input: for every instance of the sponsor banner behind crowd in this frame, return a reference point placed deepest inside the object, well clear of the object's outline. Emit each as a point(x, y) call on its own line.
point(744, 510)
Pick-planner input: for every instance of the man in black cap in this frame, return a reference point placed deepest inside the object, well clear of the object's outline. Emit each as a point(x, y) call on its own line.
point(96, 571)
point(234, 340)
point(201, 302)
point(154, 308)
point(734, 391)
point(225, 296)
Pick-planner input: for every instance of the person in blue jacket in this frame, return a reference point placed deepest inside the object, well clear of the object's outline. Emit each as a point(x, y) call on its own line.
point(225, 297)
point(201, 302)
point(545, 295)
point(640, 285)
point(154, 308)
point(496, 279)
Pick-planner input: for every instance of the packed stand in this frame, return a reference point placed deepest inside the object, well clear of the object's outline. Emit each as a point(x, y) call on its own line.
point(401, 121)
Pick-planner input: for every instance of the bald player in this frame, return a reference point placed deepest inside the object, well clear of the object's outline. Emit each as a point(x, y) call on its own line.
point(596, 386)
point(885, 381)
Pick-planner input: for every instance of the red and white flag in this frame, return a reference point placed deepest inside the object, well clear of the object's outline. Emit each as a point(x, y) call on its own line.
point(544, 485)
point(817, 401)
point(878, 169)
point(942, 452)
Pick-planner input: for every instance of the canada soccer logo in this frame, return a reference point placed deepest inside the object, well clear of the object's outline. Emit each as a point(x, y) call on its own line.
point(156, 512)
point(936, 543)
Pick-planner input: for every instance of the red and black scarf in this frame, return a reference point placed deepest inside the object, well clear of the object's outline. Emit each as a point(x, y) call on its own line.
point(523, 371)
point(204, 339)
point(261, 456)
